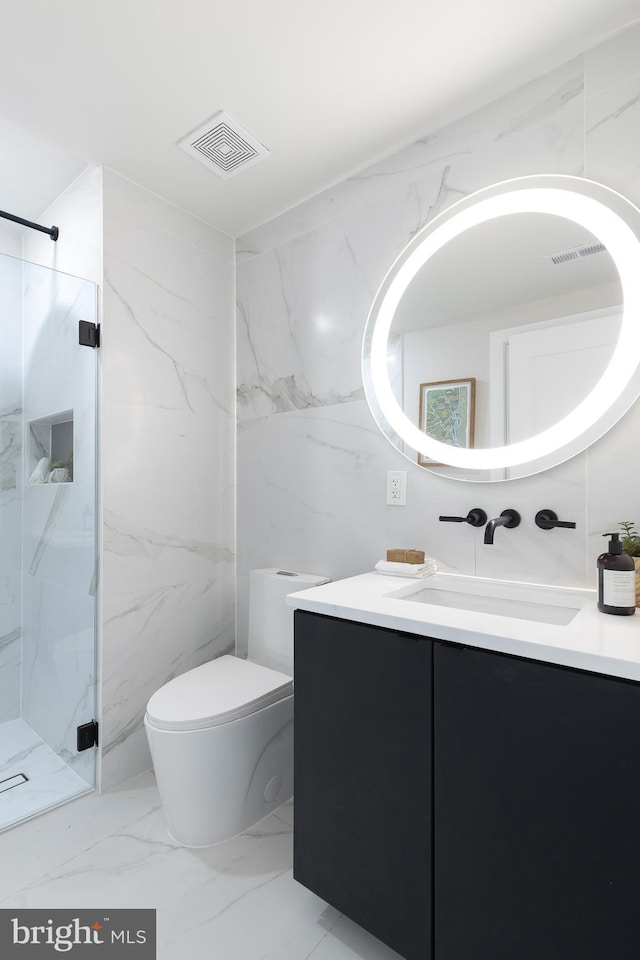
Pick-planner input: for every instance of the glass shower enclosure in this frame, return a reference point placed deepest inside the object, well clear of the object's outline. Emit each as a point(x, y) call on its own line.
point(48, 385)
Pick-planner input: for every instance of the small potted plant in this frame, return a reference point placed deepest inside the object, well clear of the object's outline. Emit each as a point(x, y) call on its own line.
point(630, 540)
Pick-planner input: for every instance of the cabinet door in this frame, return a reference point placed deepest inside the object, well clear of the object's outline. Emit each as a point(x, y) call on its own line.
point(537, 820)
point(362, 776)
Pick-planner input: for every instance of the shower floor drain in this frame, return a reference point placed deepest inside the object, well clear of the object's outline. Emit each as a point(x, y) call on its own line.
point(12, 782)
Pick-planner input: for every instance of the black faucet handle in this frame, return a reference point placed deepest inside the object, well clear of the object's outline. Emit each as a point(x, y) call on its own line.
point(476, 517)
point(514, 519)
point(548, 519)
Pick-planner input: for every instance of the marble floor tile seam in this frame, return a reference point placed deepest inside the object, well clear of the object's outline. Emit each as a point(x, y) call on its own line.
point(118, 832)
point(89, 797)
point(127, 829)
point(235, 901)
point(216, 899)
point(118, 853)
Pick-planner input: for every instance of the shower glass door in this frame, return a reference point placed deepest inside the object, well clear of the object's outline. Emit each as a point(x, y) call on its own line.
point(48, 553)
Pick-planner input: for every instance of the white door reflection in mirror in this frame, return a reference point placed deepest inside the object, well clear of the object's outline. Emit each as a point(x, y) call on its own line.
point(539, 372)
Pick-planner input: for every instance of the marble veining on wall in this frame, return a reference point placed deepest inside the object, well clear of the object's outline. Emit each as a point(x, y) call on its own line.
point(168, 532)
point(306, 282)
point(302, 305)
point(167, 451)
point(527, 112)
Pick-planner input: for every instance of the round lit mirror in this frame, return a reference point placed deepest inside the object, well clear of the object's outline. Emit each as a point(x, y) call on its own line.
point(506, 337)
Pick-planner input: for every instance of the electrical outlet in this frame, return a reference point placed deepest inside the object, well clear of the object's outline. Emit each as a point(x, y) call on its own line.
point(397, 488)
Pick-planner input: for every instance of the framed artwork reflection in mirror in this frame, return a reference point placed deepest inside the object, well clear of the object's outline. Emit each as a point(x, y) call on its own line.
point(447, 413)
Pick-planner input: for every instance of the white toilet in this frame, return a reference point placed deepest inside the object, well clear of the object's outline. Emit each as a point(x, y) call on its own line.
point(221, 735)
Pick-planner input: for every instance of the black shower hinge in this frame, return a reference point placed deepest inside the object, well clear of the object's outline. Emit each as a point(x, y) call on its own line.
point(87, 735)
point(88, 333)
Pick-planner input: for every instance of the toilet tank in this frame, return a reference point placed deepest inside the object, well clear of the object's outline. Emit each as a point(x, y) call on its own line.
point(270, 619)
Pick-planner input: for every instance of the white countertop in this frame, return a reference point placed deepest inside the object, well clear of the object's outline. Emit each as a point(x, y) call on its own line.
point(592, 641)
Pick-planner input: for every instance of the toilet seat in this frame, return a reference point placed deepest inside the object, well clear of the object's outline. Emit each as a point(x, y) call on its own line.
point(217, 692)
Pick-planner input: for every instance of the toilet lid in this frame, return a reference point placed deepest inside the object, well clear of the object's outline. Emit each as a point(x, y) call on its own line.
point(216, 692)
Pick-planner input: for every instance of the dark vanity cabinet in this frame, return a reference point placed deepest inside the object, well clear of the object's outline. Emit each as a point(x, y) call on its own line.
point(537, 791)
point(362, 776)
point(462, 804)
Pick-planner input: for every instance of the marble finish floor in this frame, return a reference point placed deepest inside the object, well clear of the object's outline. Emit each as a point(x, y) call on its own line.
point(234, 901)
point(50, 780)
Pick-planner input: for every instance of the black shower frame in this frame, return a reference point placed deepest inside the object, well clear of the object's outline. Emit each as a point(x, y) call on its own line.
point(52, 231)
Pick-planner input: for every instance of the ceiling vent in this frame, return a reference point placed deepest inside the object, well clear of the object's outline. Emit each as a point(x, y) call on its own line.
point(223, 145)
point(576, 253)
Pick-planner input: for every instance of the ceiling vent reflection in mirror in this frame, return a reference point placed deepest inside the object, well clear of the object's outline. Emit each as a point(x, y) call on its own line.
point(576, 253)
point(223, 145)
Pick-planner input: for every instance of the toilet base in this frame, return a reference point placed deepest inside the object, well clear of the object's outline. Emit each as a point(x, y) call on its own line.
point(217, 843)
point(217, 782)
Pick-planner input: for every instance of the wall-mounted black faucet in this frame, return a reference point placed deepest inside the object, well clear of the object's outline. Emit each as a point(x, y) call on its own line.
point(508, 519)
point(548, 519)
point(476, 517)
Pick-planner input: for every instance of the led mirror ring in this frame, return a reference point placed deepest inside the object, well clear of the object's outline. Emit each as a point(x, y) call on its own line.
point(610, 218)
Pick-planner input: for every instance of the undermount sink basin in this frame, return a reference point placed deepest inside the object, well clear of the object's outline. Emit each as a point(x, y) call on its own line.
point(520, 601)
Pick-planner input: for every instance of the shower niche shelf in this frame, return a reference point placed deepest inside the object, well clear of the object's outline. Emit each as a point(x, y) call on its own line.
point(50, 449)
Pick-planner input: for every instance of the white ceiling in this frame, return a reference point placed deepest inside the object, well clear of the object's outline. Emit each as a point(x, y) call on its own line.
point(329, 86)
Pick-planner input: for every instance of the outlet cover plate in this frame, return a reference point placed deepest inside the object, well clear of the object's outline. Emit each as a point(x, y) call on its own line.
point(397, 488)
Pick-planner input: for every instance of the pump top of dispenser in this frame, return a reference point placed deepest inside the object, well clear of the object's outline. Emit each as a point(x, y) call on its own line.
point(615, 546)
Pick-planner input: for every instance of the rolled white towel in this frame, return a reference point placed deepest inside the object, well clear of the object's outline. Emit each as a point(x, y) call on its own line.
point(415, 570)
point(41, 471)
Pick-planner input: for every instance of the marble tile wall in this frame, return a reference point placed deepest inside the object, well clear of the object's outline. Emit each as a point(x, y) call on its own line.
point(167, 444)
point(77, 212)
point(10, 240)
point(10, 480)
point(167, 458)
point(311, 463)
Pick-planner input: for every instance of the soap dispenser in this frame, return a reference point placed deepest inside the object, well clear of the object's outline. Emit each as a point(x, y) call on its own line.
point(616, 580)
